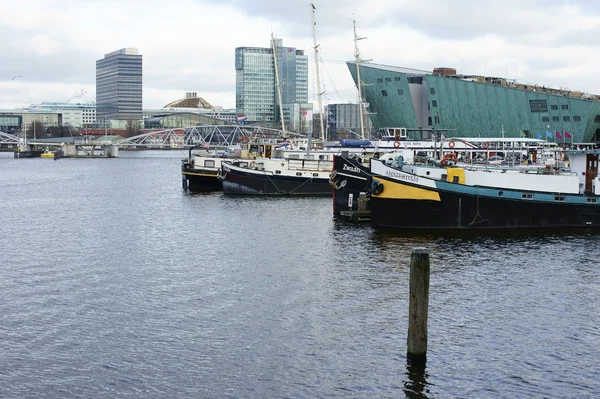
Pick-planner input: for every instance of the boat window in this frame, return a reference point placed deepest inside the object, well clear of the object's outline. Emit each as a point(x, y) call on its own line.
point(315, 175)
point(432, 90)
point(380, 80)
point(400, 92)
point(559, 198)
point(500, 193)
point(277, 172)
point(545, 119)
point(323, 157)
point(564, 106)
point(566, 118)
point(384, 93)
point(209, 163)
point(556, 119)
point(243, 164)
point(397, 78)
point(577, 118)
point(388, 79)
point(298, 173)
point(592, 200)
point(554, 107)
point(527, 196)
point(294, 156)
point(433, 103)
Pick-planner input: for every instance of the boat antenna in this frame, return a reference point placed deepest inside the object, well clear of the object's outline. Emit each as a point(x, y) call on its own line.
point(316, 47)
point(359, 83)
point(278, 85)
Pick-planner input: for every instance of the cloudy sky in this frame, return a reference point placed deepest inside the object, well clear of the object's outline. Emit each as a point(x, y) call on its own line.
point(49, 48)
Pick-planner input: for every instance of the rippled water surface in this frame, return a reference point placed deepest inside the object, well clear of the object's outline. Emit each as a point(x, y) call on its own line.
point(116, 283)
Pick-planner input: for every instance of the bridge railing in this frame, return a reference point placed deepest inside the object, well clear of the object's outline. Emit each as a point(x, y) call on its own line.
point(214, 135)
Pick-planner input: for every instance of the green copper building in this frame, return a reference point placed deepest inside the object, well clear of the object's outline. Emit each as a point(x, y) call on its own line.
point(475, 106)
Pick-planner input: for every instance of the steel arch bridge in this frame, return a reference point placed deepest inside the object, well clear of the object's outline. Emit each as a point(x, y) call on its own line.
point(6, 138)
point(214, 135)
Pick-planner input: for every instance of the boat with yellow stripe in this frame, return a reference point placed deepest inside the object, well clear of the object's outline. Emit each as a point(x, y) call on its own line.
point(445, 196)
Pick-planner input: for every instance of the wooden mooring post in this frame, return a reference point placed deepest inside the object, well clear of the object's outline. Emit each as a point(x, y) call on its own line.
point(418, 306)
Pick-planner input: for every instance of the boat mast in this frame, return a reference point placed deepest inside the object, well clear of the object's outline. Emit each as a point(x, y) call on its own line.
point(278, 85)
point(316, 47)
point(360, 99)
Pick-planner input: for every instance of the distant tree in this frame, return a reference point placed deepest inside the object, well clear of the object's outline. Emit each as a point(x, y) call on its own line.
point(132, 128)
point(36, 129)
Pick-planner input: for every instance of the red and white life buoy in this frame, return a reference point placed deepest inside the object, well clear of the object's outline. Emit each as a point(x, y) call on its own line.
point(451, 144)
point(396, 144)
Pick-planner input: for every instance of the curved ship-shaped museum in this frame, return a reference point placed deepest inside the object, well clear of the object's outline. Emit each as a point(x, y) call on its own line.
point(475, 106)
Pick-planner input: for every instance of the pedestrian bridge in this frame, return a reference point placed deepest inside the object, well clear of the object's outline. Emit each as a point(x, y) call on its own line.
point(204, 135)
point(6, 138)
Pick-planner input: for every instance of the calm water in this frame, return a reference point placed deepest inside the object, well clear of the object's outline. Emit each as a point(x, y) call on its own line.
point(115, 283)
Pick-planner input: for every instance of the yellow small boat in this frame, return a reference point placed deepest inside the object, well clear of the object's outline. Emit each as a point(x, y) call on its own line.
point(56, 154)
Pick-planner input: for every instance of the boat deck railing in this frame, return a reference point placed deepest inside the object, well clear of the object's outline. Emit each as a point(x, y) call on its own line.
point(310, 164)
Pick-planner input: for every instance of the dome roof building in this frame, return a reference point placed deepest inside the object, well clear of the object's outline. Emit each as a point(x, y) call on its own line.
point(191, 100)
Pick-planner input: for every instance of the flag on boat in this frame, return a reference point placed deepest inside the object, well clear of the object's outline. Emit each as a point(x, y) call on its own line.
point(539, 135)
point(241, 118)
point(558, 134)
point(443, 137)
point(549, 135)
point(567, 134)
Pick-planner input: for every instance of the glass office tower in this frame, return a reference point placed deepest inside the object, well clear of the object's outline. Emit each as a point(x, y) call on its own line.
point(119, 85)
point(256, 91)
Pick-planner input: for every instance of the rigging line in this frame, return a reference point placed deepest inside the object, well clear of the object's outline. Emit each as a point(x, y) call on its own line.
point(333, 13)
point(309, 180)
point(300, 11)
point(272, 182)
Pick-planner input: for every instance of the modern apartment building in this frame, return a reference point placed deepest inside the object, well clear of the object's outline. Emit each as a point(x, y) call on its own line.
point(119, 85)
point(257, 99)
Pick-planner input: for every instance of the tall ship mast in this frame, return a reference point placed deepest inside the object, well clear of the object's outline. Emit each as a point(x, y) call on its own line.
point(316, 47)
point(278, 85)
point(359, 82)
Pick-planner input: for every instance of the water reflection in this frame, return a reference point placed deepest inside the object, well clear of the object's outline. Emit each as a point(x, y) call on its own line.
point(415, 385)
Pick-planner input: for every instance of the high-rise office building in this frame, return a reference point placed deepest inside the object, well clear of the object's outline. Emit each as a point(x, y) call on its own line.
point(256, 90)
point(119, 85)
point(343, 121)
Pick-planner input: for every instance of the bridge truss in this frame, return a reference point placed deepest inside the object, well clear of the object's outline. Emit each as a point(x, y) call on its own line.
point(213, 135)
point(6, 138)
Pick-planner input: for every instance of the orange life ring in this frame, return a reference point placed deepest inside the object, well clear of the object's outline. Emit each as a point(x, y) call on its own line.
point(449, 157)
point(451, 144)
point(396, 144)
